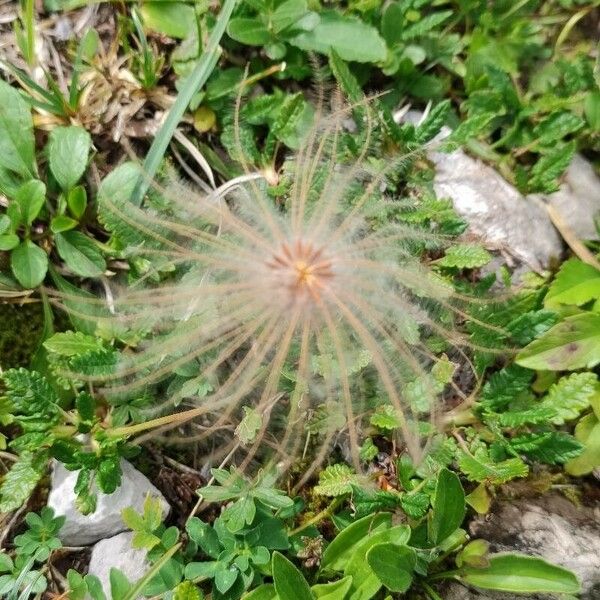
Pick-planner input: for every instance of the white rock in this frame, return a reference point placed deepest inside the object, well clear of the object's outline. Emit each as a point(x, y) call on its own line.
point(550, 527)
point(498, 214)
point(117, 552)
point(496, 211)
point(578, 200)
point(106, 521)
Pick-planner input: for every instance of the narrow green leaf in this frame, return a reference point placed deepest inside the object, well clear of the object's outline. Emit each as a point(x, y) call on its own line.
point(521, 574)
point(289, 582)
point(449, 507)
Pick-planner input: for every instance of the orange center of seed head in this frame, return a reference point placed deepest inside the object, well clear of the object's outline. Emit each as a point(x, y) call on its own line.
point(301, 269)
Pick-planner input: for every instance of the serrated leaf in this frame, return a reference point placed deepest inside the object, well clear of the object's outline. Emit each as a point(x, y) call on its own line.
point(249, 426)
point(478, 466)
point(547, 170)
point(20, 481)
point(385, 418)
point(68, 151)
point(432, 125)
point(337, 480)
point(570, 396)
point(556, 126)
point(551, 447)
point(503, 387)
point(465, 256)
point(72, 343)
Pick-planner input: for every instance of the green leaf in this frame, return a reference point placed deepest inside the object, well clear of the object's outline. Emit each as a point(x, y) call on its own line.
point(249, 425)
point(17, 144)
point(80, 253)
point(72, 343)
point(266, 591)
point(365, 581)
point(448, 507)
point(432, 125)
point(29, 264)
point(570, 396)
point(68, 151)
point(169, 17)
point(576, 283)
point(335, 590)
point(20, 481)
point(62, 223)
point(385, 418)
point(393, 565)
point(77, 201)
point(587, 432)
point(547, 170)
point(425, 24)
point(336, 480)
point(556, 126)
point(288, 13)
point(465, 256)
point(114, 199)
point(252, 32)
point(30, 198)
point(186, 590)
point(351, 38)
point(570, 345)
point(478, 466)
point(521, 574)
point(550, 447)
point(345, 543)
point(289, 582)
point(8, 241)
point(345, 78)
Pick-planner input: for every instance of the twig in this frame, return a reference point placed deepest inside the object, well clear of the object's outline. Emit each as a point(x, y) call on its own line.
point(571, 238)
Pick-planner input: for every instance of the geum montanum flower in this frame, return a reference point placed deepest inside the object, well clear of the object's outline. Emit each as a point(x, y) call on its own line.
point(286, 307)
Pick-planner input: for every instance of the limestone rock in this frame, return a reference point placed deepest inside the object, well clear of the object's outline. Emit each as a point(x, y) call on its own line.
point(578, 200)
point(117, 552)
point(106, 520)
point(496, 211)
point(550, 527)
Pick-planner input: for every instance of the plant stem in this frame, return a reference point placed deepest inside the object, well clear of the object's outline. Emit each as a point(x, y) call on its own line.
point(324, 514)
point(197, 78)
point(430, 591)
point(181, 417)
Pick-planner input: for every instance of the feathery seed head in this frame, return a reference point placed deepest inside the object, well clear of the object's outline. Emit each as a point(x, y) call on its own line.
point(291, 310)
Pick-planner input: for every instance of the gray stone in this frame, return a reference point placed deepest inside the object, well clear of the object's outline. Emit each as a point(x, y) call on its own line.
point(106, 521)
point(550, 527)
point(117, 552)
point(497, 213)
point(499, 216)
point(578, 200)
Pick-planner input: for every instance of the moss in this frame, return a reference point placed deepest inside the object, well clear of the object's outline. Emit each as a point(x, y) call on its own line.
point(20, 331)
